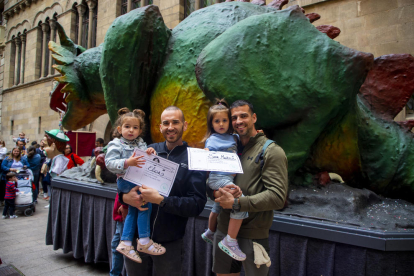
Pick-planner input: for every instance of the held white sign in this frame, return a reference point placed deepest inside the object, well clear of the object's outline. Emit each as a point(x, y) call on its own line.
point(213, 161)
point(158, 173)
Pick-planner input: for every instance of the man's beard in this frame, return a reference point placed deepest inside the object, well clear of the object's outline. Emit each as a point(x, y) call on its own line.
point(247, 131)
point(179, 135)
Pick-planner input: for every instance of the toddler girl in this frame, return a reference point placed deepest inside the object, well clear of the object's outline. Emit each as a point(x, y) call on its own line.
point(219, 138)
point(120, 155)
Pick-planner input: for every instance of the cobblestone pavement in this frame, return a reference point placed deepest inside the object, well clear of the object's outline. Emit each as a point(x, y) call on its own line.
point(22, 245)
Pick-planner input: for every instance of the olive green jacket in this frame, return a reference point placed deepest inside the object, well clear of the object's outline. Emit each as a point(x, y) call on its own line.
point(264, 189)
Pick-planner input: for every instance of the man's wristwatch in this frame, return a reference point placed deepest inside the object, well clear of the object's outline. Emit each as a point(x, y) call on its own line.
point(236, 206)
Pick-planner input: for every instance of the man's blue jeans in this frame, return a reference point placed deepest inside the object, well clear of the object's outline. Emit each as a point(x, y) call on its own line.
point(135, 218)
point(117, 258)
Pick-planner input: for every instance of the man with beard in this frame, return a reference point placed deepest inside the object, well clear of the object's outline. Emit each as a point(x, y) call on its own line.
point(264, 183)
point(169, 216)
point(21, 144)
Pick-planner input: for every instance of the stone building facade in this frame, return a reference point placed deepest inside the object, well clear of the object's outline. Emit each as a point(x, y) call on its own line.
point(377, 26)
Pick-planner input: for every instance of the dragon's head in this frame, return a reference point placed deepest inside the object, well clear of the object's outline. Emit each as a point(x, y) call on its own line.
point(78, 93)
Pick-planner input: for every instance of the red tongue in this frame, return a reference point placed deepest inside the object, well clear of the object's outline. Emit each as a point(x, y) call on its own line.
point(57, 100)
point(389, 85)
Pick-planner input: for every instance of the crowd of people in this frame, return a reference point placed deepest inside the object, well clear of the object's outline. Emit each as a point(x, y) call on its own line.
point(30, 155)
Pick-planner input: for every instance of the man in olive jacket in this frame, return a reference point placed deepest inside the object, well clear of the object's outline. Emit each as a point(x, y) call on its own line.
point(264, 186)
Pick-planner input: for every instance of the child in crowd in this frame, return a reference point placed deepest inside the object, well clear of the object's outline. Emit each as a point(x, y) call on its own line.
point(22, 137)
point(9, 198)
point(120, 155)
point(119, 213)
point(219, 138)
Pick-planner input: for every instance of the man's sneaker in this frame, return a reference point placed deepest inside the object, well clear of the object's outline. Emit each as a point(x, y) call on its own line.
point(12, 217)
point(4, 217)
point(125, 249)
point(208, 236)
point(232, 249)
point(47, 206)
point(157, 249)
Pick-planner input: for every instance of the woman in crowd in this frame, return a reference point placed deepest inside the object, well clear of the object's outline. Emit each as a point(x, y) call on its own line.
point(74, 160)
point(3, 152)
point(34, 160)
point(15, 162)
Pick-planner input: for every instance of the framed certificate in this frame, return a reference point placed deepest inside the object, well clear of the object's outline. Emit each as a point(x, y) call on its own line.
point(213, 161)
point(158, 173)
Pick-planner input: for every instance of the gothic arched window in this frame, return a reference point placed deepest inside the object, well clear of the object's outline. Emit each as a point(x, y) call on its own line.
point(87, 21)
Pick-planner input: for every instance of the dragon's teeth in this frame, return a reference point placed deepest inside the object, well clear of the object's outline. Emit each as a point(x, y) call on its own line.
point(63, 112)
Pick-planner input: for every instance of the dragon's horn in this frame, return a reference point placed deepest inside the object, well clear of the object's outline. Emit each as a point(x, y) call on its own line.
point(67, 43)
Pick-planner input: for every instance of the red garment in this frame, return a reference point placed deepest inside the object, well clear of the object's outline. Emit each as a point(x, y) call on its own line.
point(11, 190)
point(116, 216)
point(78, 160)
point(85, 142)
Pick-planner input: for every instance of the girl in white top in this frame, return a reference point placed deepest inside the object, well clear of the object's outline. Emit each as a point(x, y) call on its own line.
point(3, 150)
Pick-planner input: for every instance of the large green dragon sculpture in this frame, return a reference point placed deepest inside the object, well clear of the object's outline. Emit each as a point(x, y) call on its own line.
point(331, 108)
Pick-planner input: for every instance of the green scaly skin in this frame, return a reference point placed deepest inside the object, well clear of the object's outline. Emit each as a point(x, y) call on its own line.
point(304, 82)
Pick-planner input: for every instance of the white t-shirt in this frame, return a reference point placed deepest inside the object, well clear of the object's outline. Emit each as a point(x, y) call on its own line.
point(3, 152)
point(59, 164)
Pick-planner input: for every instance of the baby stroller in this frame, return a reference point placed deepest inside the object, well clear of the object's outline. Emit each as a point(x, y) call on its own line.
point(24, 197)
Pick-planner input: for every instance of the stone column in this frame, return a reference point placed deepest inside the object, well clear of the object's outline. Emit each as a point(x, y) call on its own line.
point(91, 6)
point(45, 29)
point(52, 24)
point(23, 58)
point(129, 6)
point(81, 10)
point(18, 44)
